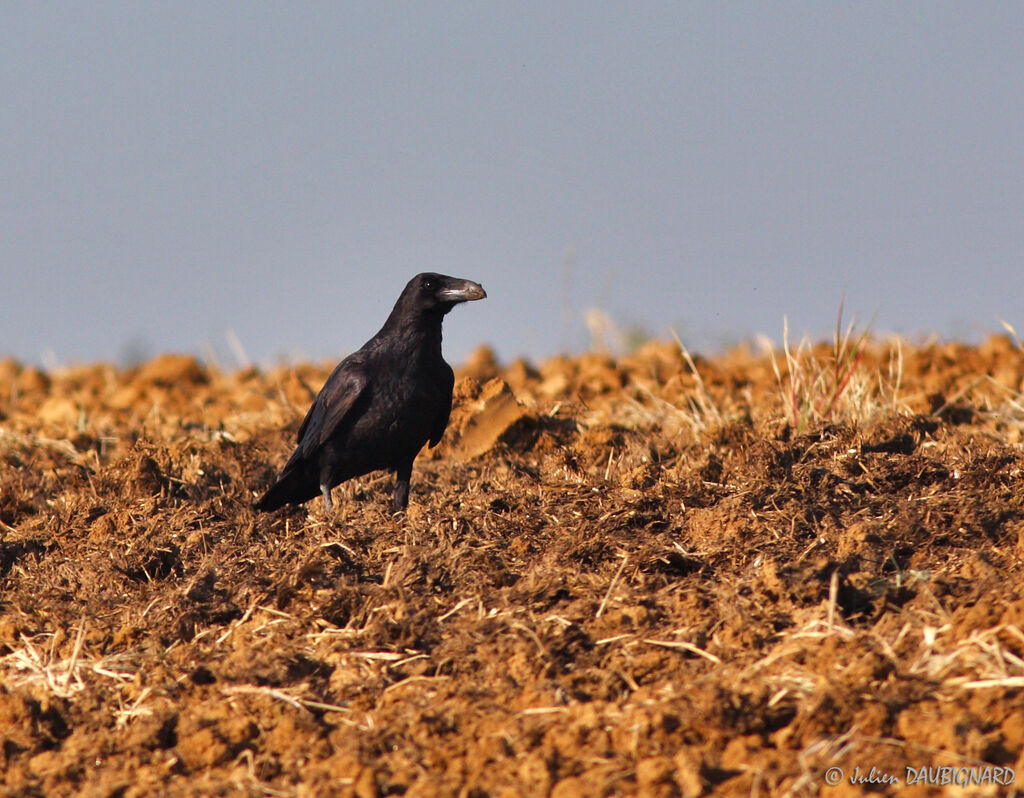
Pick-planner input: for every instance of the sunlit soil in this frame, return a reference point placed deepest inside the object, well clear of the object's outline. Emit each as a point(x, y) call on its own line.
point(653, 575)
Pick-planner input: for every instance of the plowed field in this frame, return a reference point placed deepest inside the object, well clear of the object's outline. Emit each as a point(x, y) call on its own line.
point(644, 575)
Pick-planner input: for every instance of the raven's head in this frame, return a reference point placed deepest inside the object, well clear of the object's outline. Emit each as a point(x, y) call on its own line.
point(437, 293)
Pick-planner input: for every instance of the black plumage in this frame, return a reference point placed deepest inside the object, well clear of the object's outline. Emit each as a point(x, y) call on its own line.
point(381, 404)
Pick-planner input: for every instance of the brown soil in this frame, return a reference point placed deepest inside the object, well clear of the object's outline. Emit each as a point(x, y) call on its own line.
point(613, 578)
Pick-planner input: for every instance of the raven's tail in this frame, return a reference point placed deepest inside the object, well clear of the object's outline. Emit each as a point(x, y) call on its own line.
point(293, 487)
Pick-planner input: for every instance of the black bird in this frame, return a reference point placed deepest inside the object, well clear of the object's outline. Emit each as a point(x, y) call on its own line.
point(380, 404)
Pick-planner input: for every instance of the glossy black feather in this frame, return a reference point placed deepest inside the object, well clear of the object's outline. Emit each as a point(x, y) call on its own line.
point(381, 404)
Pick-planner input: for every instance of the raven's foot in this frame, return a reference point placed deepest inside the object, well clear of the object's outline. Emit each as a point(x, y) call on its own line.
point(400, 499)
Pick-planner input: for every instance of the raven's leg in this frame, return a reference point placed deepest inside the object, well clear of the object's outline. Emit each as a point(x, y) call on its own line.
point(400, 500)
point(327, 469)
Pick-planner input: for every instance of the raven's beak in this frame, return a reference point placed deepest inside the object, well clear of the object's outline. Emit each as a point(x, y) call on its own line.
point(461, 291)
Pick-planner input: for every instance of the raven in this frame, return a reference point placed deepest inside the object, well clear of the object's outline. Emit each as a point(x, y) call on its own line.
point(380, 404)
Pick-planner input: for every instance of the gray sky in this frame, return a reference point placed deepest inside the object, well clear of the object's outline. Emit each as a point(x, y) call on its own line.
point(174, 171)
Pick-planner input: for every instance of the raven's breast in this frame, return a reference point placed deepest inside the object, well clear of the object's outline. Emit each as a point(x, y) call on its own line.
point(402, 407)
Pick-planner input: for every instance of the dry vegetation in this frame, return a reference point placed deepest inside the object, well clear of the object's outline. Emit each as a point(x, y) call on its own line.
point(652, 575)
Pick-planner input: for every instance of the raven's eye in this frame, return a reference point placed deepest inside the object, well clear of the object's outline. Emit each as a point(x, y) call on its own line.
point(429, 285)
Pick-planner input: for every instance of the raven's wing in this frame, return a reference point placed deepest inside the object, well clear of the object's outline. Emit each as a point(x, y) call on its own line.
point(335, 400)
point(444, 410)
